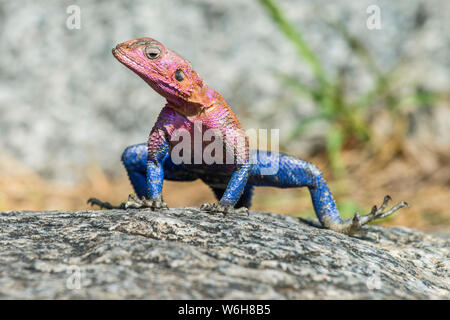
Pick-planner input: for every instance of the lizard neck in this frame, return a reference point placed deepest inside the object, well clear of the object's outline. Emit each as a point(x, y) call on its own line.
point(202, 99)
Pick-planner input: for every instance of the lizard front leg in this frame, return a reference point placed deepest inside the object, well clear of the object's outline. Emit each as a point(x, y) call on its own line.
point(158, 149)
point(244, 201)
point(232, 193)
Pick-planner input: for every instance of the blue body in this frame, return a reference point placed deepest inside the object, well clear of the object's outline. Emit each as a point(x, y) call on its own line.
point(146, 176)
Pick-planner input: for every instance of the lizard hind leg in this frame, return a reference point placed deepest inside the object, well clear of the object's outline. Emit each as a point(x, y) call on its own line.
point(293, 172)
point(132, 203)
point(104, 204)
point(352, 225)
point(134, 159)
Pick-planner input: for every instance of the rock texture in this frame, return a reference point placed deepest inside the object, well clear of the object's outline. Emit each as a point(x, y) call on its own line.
point(188, 254)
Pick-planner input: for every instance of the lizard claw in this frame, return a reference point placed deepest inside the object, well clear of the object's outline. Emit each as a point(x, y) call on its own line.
point(104, 204)
point(352, 225)
point(132, 203)
point(216, 207)
point(136, 203)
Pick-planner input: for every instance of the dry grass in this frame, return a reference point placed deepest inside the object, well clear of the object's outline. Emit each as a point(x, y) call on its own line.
point(407, 177)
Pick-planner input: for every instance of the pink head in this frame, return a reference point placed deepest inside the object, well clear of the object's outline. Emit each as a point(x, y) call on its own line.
point(163, 69)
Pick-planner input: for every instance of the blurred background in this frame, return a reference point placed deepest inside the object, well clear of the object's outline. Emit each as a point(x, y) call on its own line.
point(360, 88)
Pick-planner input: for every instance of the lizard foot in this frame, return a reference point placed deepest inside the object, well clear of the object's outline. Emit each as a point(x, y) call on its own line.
point(136, 203)
point(351, 226)
point(216, 207)
point(104, 205)
point(132, 203)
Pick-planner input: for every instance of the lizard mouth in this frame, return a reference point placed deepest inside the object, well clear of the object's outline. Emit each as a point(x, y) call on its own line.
point(117, 53)
point(122, 56)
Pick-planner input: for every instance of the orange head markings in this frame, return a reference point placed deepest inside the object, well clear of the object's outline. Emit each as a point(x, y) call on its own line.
point(163, 69)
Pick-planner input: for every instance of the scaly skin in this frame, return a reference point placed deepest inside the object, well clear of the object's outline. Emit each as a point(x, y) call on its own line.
point(190, 101)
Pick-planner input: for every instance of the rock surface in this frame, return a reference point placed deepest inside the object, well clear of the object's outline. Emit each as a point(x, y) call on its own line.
point(188, 254)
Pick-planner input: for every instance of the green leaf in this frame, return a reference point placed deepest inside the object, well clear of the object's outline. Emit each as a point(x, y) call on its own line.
point(296, 38)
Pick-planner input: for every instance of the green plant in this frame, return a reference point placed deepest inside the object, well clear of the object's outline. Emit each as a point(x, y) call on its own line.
point(346, 116)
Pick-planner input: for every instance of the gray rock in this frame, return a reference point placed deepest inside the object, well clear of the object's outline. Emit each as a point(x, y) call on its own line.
point(188, 254)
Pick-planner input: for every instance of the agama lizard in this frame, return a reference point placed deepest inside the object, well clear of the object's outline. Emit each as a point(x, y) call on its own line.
point(190, 101)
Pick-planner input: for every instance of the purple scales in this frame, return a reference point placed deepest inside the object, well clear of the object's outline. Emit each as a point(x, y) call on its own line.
point(194, 108)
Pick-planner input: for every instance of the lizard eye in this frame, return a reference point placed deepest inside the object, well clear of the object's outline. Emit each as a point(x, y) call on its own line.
point(152, 52)
point(179, 75)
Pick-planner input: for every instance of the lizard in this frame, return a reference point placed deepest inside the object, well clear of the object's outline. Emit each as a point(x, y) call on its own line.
point(190, 101)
